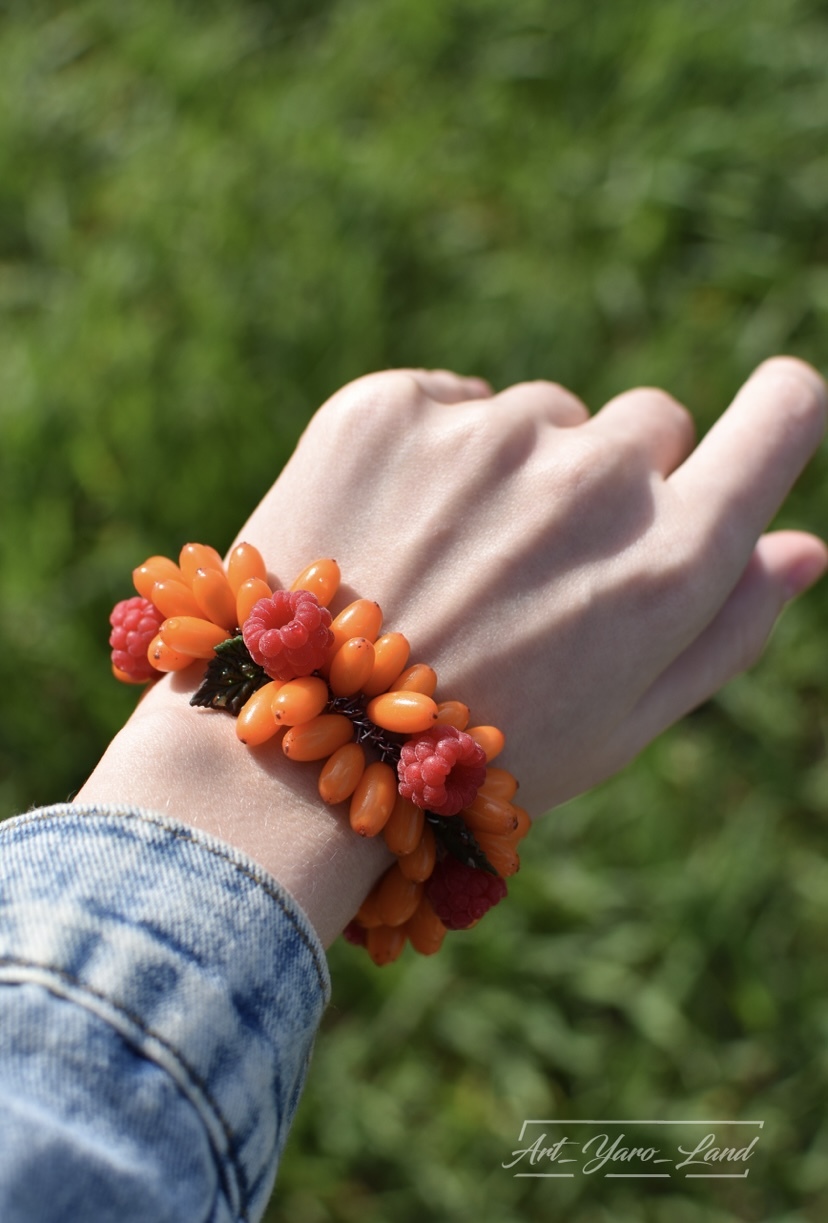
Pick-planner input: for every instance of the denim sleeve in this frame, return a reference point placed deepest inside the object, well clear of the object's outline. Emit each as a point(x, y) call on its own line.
point(159, 998)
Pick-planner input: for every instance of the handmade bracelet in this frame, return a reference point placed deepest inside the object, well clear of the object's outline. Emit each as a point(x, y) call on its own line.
point(410, 767)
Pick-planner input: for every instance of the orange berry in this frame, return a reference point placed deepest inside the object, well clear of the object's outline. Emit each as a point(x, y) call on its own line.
point(256, 723)
point(405, 826)
point(384, 944)
point(198, 556)
point(524, 824)
point(299, 700)
point(245, 562)
point(191, 635)
point(321, 578)
point(164, 658)
point(453, 713)
point(500, 851)
point(390, 656)
point(341, 773)
point(248, 594)
point(318, 738)
point(490, 739)
point(351, 666)
point(424, 929)
point(174, 599)
point(373, 799)
point(214, 597)
point(404, 713)
point(126, 678)
point(499, 783)
point(490, 814)
point(155, 569)
point(397, 897)
point(419, 864)
point(362, 618)
point(368, 914)
point(417, 678)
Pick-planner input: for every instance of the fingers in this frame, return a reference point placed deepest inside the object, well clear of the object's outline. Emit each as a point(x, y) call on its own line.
point(736, 479)
point(783, 565)
point(544, 400)
point(653, 421)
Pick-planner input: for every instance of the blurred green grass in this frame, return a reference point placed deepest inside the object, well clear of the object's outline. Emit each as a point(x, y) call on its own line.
point(213, 215)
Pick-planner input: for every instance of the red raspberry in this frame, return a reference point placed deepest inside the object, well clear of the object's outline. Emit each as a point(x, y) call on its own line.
point(134, 623)
point(288, 634)
point(441, 770)
point(354, 933)
point(460, 895)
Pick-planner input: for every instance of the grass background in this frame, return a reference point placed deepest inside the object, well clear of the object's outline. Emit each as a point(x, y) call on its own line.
point(211, 215)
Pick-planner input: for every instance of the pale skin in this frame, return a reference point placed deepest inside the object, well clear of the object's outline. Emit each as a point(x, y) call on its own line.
point(580, 581)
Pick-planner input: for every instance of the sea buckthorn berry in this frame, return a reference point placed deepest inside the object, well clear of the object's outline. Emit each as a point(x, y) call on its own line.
point(499, 783)
point(441, 769)
point(424, 929)
point(460, 895)
point(362, 618)
point(500, 851)
point(453, 713)
point(373, 800)
point(524, 820)
point(390, 656)
point(193, 636)
point(214, 597)
point(198, 556)
point(490, 739)
point(418, 678)
point(368, 913)
point(319, 738)
point(299, 700)
point(155, 569)
point(351, 666)
point(397, 897)
point(163, 657)
point(490, 814)
point(245, 562)
point(321, 578)
point(419, 864)
point(134, 623)
point(248, 595)
point(405, 824)
point(174, 599)
point(385, 944)
point(288, 634)
point(256, 723)
point(341, 773)
point(403, 713)
point(124, 677)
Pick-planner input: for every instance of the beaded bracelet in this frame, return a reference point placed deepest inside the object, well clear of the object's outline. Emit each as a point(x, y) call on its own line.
point(410, 767)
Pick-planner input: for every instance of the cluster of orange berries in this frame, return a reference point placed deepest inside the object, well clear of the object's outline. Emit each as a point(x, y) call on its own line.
point(363, 703)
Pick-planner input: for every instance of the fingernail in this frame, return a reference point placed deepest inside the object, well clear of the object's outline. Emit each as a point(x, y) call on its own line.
point(804, 575)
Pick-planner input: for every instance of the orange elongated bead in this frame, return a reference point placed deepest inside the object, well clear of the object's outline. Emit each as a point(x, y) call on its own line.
point(155, 569)
point(373, 800)
point(424, 929)
point(256, 723)
point(390, 656)
point(453, 713)
point(385, 944)
point(500, 851)
point(126, 678)
point(362, 618)
point(524, 820)
point(368, 914)
point(418, 678)
point(248, 594)
point(174, 599)
point(243, 563)
point(405, 826)
point(321, 578)
point(397, 897)
point(499, 783)
point(198, 556)
point(351, 666)
point(190, 635)
point(419, 864)
point(212, 593)
point(164, 658)
point(486, 813)
point(299, 700)
point(341, 773)
point(318, 738)
point(490, 739)
point(404, 713)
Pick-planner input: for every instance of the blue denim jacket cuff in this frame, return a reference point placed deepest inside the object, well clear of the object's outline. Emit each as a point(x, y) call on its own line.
point(192, 952)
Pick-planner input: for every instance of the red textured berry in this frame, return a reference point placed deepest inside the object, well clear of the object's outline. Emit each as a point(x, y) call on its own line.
point(460, 895)
point(355, 933)
point(134, 623)
point(441, 769)
point(288, 634)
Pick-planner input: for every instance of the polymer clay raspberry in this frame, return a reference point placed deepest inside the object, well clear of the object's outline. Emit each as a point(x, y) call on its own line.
point(134, 623)
point(460, 895)
point(288, 634)
point(441, 770)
